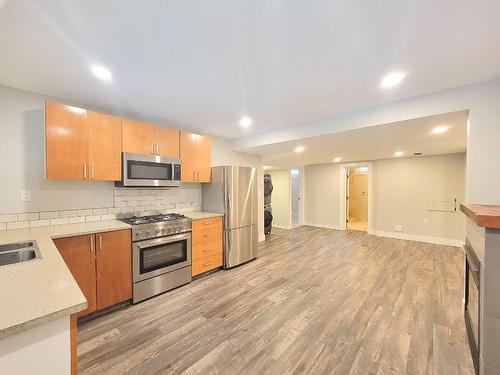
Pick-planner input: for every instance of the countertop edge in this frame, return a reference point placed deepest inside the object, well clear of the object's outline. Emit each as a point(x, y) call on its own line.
point(36, 322)
point(484, 220)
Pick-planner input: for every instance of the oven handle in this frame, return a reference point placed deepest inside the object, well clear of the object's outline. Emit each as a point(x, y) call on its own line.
point(162, 241)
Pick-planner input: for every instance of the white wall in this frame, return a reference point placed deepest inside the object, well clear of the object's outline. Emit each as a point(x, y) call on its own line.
point(321, 197)
point(403, 189)
point(483, 156)
point(43, 350)
point(280, 198)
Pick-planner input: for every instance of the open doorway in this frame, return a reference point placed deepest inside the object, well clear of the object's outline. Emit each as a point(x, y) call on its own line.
point(357, 198)
point(296, 191)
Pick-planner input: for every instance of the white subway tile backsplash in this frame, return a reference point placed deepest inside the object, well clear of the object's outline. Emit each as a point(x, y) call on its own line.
point(49, 215)
point(93, 218)
point(8, 218)
point(58, 221)
point(84, 212)
point(126, 201)
point(18, 225)
point(108, 217)
point(28, 216)
point(69, 213)
point(76, 219)
point(39, 223)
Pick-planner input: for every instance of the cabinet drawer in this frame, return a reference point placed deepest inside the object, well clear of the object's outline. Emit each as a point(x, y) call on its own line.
point(208, 230)
point(206, 264)
point(203, 250)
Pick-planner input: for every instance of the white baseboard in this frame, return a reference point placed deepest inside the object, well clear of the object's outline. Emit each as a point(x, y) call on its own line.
point(262, 237)
point(326, 226)
point(418, 238)
point(281, 226)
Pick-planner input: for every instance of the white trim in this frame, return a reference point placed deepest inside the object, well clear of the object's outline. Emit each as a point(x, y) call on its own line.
point(326, 226)
point(343, 192)
point(262, 237)
point(418, 238)
point(281, 226)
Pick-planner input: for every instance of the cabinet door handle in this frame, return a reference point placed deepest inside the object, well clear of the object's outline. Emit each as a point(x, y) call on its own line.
point(152, 148)
point(207, 264)
point(157, 149)
point(207, 223)
point(84, 169)
point(194, 179)
point(207, 235)
point(92, 171)
point(206, 250)
point(100, 242)
point(198, 176)
point(91, 244)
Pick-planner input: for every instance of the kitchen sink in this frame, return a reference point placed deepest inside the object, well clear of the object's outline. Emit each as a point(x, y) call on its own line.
point(18, 252)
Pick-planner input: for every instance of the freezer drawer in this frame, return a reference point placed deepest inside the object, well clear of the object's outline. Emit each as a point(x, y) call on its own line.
point(240, 245)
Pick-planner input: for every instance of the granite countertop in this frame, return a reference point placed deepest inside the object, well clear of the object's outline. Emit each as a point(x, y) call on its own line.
point(483, 215)
point(201, 215)
point(39, 291)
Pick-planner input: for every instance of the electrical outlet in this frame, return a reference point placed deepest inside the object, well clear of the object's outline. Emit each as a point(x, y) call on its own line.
point(426, 221)
point(25, 195)
point(398, 227)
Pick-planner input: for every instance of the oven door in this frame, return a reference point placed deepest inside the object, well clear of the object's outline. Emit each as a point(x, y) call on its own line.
point(472, 298)
point(161, 255)
point(150, 170)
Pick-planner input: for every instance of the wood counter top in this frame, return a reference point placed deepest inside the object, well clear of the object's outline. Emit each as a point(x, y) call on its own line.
point(483, 216)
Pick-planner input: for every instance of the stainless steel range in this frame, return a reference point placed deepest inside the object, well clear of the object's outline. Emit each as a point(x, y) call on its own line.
point(161, 253)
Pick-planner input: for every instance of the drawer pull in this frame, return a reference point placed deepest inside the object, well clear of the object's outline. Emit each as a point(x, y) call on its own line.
point(207, 223)
point(207, 250)
point(207, 235)
point(207, 264)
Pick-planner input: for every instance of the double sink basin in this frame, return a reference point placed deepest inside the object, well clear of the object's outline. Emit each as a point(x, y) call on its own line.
point(18, 252)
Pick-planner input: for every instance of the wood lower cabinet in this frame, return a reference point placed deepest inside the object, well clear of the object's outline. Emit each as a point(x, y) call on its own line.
point(101, 265)
point(206, 245)
point(196, 156)
point(79, 254)
point(114, 268)
point(66, 142)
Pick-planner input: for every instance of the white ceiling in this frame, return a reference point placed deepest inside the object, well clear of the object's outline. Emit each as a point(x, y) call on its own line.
point(371, 143)
point(201, 65)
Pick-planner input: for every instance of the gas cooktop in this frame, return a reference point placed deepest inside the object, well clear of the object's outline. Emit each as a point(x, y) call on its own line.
point(138, 220)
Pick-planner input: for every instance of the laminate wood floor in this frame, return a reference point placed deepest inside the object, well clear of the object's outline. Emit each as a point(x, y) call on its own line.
point(316, 301)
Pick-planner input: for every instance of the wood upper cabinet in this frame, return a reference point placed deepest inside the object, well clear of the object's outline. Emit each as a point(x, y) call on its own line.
point(114, 268)
point(137, 137)
point(166, 142)
point(101, 265)
point(196, 156)
point(142, 138)
point(188, 156)
point(105, 147)
point(79, 254)
point(66, 142)
point(81, 144)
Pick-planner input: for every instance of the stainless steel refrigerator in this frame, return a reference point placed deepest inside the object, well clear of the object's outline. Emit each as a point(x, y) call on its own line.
point(233, 192)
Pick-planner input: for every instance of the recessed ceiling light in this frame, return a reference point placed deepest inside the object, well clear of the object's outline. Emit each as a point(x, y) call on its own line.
point(392, 79)
point(245, 122)
point(101, 72)
point(439, 130)
point(299, 149)
point(337, 159)
point(399, 153)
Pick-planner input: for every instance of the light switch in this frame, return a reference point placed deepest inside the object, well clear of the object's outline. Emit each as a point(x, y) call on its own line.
point(25, 195)
point(398, 227)
point(426, 221)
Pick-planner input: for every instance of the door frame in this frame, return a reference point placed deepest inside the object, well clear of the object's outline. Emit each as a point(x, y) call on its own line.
point(343, 193)
point(301, 195)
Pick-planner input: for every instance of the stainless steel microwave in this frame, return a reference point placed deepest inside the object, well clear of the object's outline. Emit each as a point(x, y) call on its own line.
point(150, 171)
